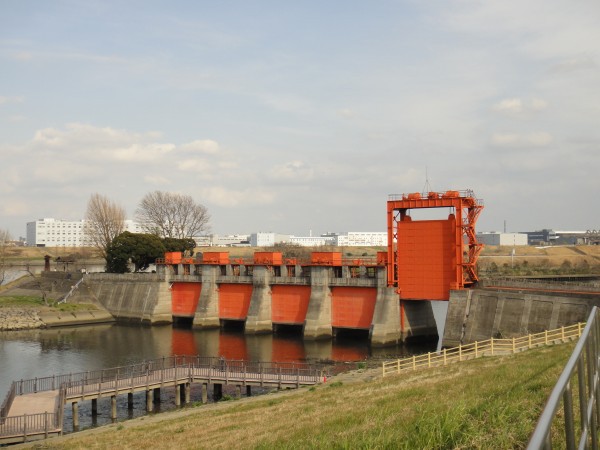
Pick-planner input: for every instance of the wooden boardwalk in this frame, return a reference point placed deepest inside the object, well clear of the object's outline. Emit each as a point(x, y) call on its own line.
point(33, 409)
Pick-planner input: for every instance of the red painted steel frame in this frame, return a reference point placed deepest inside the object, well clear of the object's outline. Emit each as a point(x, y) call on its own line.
point(466, 210)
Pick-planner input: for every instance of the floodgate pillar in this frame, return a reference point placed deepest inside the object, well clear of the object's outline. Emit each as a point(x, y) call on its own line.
point(259, 311)
point(207, 312)
point(318, 316)
point(385, 327)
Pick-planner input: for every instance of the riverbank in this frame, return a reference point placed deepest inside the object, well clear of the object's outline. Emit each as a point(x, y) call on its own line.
point(15, 319)
point(483, 403)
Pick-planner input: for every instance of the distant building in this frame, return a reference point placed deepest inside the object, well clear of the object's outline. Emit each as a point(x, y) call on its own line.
point(508, 239)
point(362, 239)
point(230, 240)
point(49, 232)
point(312, 241)
point(261, 239)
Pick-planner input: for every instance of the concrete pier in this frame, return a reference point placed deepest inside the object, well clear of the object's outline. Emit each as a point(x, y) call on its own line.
point(318, 317)
point(259, 312)
point(207, 312)
point(385, 328)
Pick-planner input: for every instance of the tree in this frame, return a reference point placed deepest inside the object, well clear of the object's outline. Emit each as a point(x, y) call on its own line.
point(179, 245)
point(171, 215)
point(141, 249)
point(104, 221)
point(4, 240)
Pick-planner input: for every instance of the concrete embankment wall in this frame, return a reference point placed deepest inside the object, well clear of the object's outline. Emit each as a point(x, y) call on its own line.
point(138, 298)
point(476, 315)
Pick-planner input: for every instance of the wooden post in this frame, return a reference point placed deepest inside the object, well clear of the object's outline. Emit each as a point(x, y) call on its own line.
point(113, 407)
point(514, 348)
point(178, 395)
point(46, 422)
point(204, 393)
point(94, 407)
point(149, 405)
point(238, 391)
point(75, 411)
point(187, 393)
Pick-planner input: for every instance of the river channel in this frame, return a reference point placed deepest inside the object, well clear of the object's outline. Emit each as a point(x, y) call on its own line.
point(39, 353)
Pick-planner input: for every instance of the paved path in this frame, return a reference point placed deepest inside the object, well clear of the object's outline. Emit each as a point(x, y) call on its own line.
point(39, 402)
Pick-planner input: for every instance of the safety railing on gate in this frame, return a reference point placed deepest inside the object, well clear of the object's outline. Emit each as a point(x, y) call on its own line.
point(575, 425)
point(490, 347)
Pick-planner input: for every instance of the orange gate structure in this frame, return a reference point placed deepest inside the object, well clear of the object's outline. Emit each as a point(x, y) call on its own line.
point(426, 259)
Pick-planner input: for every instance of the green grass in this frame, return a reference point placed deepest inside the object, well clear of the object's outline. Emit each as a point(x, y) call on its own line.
point(27, 301)
point(484, 403)
point(21, 300)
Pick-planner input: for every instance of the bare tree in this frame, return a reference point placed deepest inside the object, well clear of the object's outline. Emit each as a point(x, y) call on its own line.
point(171, 215)
point(104, 220)
point(4, 240)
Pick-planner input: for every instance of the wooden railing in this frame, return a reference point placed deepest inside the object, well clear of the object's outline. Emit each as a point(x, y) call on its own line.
point(491, 347)
point(149, 373)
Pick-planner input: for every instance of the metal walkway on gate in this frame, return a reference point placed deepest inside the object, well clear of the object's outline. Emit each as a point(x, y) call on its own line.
point(33, 409)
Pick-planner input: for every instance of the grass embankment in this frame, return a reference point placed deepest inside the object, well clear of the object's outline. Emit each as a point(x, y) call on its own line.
point(484, 403)
point(35, 302)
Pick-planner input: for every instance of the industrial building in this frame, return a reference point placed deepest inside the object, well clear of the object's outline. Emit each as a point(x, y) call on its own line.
point(508, 239)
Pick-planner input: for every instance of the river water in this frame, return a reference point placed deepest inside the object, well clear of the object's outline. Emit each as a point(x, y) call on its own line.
point(39, 353)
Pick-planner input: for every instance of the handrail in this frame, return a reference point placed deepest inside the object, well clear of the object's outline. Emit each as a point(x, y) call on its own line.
point(7, 403)
point(73, 289)
point(160, 370)
point(168, 362)
point(490, 347)
point(580, 374)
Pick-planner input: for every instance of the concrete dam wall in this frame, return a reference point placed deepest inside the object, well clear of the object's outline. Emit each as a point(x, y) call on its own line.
point(144, 298)
point(476, 315)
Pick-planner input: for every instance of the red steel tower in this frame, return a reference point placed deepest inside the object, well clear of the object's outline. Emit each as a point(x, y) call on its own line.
point(428, 258)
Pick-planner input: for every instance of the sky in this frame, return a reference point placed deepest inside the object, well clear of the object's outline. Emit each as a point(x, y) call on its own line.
point(299, 117)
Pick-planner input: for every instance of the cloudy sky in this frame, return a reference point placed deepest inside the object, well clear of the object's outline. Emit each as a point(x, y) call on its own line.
point(295, 116)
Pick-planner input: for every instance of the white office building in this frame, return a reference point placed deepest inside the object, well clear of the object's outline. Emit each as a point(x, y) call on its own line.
point(49, 232)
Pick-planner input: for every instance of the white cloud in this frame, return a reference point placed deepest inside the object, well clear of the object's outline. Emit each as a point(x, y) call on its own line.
point(518, 140)
point(194, 165)
point(10, 99)
point(207, 146)
point(347, 113)
point(293, 171)
point(519, 107)
point(158, 180)
point(229, 198)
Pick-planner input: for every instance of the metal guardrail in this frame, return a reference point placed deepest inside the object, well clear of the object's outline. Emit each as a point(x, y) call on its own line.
point(580, 381)
point(490, 347)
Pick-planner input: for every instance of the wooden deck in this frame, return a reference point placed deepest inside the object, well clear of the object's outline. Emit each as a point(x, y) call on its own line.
point(33, 409)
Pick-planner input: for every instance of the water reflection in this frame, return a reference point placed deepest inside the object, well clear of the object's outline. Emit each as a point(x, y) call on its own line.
point(39, 353)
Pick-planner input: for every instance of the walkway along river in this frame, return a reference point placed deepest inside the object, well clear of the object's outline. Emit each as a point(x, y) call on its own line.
point(40, 353)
